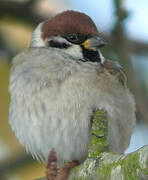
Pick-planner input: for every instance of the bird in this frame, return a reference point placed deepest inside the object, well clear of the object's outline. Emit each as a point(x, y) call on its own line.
point(57, 85)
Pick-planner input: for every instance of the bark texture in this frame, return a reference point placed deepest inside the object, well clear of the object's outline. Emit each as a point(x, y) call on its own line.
point(103, 165)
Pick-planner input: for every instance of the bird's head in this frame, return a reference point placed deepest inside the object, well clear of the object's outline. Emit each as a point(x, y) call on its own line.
point(72, 32)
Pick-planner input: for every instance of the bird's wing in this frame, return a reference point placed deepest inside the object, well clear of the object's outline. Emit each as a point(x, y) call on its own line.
point(116, 69)
point(119, 104)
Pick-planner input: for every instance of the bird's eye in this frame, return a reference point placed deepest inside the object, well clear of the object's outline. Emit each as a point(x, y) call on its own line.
point(73, 38)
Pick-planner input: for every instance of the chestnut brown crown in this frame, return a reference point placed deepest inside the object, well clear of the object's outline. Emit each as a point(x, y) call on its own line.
point(69, 22)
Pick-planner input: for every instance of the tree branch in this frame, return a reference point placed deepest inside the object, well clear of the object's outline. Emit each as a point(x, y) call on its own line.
point(107, 165)
point(114, 167)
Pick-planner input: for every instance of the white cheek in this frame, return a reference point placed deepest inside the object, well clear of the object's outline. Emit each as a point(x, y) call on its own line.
point(75, 51)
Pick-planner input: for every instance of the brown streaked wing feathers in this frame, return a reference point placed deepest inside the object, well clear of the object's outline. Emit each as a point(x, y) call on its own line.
point(115, 69)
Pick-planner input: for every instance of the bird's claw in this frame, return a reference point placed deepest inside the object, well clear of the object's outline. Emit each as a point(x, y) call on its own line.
point(51, 168)
point(52, 173)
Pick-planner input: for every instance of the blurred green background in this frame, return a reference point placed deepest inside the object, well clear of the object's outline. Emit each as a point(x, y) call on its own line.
point(122, 23)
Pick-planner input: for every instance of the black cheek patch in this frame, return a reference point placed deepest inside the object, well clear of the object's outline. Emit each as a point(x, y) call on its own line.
point(59, 45)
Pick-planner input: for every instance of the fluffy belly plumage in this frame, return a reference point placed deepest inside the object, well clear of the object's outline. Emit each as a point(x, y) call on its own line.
point(50, 109)
point(43, 120)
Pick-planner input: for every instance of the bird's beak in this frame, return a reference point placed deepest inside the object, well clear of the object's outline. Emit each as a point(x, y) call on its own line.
point(94, 43)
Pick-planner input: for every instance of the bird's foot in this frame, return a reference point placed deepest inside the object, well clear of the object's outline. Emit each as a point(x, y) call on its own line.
point(63, 172)
point(51, 168)
point(52, 173)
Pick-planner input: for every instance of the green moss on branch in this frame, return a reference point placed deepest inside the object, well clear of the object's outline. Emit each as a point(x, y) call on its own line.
point(101, 165)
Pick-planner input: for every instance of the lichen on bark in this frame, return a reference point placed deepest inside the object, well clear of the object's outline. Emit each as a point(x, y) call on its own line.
point(99, 132)
point(109, 166)
point(103, 165)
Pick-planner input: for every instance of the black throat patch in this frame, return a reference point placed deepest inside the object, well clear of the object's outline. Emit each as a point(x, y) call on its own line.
point(90, 55)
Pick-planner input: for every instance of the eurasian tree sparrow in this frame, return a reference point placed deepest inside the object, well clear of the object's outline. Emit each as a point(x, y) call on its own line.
point(59, 82)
